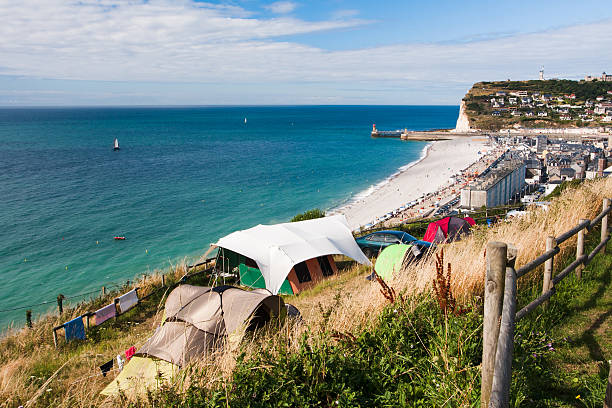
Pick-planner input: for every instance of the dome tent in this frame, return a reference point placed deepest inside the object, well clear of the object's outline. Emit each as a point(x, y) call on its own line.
point(448, 229)
point(393, 258)
point(197, 319)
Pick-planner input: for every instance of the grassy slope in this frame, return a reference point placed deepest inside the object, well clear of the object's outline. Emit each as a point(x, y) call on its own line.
point(355, 347)
point(562, 352)
point(415, 356)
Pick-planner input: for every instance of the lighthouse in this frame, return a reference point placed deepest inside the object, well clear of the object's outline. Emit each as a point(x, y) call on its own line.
point(542, 73)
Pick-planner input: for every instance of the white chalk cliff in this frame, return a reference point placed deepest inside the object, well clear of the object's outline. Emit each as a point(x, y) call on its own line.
point(463, 124)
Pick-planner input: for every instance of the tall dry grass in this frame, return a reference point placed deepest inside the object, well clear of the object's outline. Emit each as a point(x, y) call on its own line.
point(28, 356)
point(344, 303)
point(349, 302)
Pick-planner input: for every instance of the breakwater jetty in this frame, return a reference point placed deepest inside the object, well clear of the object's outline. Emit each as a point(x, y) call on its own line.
point(405, 134)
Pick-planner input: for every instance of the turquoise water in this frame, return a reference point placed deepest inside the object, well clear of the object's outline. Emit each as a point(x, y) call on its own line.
point(183, 178)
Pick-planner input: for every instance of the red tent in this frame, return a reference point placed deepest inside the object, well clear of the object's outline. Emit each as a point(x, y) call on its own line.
point(448, 229)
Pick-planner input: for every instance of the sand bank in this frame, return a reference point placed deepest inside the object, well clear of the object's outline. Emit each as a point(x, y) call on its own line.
point(444, 159)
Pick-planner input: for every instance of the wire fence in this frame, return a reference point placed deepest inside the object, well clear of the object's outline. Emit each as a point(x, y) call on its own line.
point(101, 292)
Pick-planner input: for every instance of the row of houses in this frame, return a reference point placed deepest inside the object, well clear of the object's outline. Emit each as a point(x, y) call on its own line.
point(535, 161)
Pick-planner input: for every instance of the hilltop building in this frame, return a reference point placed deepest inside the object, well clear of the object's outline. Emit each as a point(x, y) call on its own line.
point(604, 78)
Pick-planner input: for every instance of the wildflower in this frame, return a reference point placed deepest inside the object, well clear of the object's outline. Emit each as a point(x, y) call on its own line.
point(578, 396)
point(534, 355)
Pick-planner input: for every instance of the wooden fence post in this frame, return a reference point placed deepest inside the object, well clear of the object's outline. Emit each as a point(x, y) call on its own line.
point(103, 290)
point(604, 223)
point(60, 307)
point(493, 301)
point(500, 390)
point(548, 266)
point(580, 249)
point(29, 318)
point(608, 400)
point(163, 280)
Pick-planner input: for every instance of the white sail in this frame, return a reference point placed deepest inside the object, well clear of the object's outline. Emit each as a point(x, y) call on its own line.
point(116, 146)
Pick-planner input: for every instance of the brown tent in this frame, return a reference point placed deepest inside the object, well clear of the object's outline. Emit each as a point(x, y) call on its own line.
point(197, 317)
point(196, 320)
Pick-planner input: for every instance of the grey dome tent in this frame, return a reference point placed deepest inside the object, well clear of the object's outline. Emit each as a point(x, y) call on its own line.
point(196, 321)
point(197, 317)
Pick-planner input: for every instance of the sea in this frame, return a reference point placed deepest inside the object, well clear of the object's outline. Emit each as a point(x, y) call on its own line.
point(183, 177)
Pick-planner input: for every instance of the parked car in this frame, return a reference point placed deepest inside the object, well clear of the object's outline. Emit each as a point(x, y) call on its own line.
point(373, 243)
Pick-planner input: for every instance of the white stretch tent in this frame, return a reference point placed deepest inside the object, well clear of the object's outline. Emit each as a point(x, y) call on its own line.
point(277, 248)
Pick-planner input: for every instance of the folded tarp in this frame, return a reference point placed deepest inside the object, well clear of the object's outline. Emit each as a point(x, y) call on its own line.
point(128, 301)
point(277, 248)
point(105, 313)
point(74, 329)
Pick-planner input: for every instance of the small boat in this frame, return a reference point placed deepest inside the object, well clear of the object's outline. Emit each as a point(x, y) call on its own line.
point(245, 121)
point(119, 238)
point(116, 144)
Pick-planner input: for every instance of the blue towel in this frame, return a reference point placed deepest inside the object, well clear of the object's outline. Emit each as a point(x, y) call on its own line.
point(75, 329)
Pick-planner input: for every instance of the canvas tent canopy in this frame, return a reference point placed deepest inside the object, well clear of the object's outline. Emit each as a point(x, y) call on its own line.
point(276, 249)
point(448, 229)
point(196, 320)
point(393, 258)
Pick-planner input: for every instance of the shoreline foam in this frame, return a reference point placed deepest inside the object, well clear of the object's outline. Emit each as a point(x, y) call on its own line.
point(354, 199)
point(441, 161)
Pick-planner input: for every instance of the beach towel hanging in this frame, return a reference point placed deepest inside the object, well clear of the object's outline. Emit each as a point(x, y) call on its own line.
point(129, 353)
point(128, 301)
point(74, 329)
point(105, 313)
point(106, 367)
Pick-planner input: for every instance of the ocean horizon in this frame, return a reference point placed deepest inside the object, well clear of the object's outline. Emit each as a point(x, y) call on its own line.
point(184, 177)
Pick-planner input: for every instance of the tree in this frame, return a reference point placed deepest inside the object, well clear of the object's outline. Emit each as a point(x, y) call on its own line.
point(309, 215)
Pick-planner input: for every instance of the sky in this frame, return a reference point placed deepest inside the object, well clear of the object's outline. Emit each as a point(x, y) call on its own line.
point(289, 52)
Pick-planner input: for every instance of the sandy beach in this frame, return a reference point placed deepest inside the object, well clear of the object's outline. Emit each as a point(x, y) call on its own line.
point(444, 160)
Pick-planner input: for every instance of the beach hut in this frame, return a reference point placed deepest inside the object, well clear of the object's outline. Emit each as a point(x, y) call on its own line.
point(196, 321)
point(287, 258)
point(448, 229)
point(393, 258)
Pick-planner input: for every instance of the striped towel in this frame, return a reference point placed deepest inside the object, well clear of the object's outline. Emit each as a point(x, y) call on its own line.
point(128, 301)
point(105, 313)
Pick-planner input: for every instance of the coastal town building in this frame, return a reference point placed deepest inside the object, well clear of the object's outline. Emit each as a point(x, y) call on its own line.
point(501, 183)
point(604, 78)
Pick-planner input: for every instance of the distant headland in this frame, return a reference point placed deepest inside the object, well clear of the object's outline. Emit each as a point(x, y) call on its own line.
point(554, 104)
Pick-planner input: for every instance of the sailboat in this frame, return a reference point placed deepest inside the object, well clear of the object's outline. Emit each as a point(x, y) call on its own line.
point(245, 121)
point(116, 145)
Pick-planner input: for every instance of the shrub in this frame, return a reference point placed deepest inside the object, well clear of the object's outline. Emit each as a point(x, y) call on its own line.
point(309, 215)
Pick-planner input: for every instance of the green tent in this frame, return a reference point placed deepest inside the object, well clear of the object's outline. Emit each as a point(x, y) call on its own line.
point(391, 260)
point(250, 275)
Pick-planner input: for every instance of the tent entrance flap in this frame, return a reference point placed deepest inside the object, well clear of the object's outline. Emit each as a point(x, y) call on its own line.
point(248, 272)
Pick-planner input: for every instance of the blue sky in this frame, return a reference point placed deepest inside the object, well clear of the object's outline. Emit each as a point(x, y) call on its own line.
point(182, 52)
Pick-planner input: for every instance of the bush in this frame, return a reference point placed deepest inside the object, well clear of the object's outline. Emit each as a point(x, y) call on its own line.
point(309, 215)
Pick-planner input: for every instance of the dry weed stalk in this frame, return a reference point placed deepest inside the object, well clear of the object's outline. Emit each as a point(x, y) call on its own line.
point(387, 291)
point(442, 286)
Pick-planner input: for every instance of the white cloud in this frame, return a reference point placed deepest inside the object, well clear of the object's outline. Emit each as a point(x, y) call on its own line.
point(281, 7)
point(181, 41)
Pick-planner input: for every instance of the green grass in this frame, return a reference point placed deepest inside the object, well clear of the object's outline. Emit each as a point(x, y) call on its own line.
point(414, 356)
point(573, 370)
